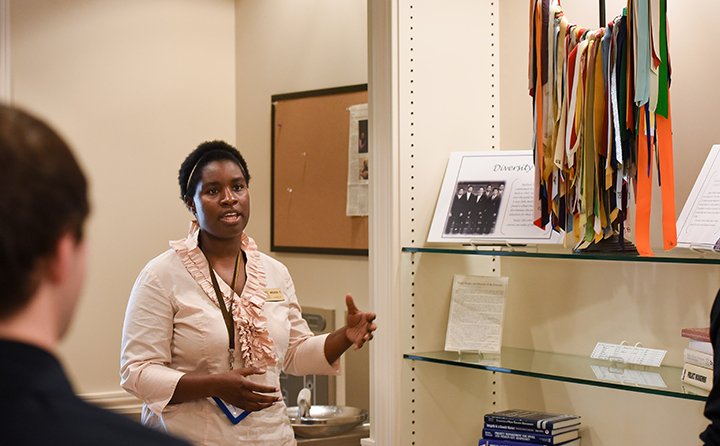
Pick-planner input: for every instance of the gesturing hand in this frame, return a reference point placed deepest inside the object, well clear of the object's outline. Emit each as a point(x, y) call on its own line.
point(360, 326)
point(235, 388)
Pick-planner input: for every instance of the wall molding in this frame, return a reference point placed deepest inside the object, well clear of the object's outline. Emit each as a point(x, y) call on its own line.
point(116, 401)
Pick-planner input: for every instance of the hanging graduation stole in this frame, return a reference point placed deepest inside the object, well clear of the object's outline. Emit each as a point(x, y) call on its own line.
point(601, 122)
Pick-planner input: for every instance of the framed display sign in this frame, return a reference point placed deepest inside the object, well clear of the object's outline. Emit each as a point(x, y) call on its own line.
point(699, 223)
point(313, 145)
point(487, 198)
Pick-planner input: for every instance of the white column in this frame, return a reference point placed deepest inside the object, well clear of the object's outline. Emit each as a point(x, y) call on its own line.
point(385, 354)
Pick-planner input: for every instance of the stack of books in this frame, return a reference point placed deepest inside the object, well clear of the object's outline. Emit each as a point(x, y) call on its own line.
point(518, 427)
point(698, 355)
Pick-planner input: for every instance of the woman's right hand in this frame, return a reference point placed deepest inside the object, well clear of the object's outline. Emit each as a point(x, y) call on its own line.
point(235, 388)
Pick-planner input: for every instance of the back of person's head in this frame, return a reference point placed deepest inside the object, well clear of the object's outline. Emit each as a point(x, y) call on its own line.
point(45, 198)
point(207, 152)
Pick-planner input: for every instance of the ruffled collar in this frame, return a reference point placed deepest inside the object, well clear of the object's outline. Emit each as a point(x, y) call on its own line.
point(255, 345)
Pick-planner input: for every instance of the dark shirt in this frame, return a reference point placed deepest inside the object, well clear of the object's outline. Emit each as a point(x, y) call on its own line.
point(39, 407)
point(711, 435)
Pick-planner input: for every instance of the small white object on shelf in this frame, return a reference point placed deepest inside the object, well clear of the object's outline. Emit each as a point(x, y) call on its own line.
point(628, 354)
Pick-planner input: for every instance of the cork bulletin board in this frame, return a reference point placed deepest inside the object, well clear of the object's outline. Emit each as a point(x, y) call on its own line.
point(310, 134)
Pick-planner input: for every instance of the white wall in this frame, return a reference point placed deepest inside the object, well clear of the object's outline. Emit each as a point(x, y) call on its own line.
point(297, 45)
point(134, 86)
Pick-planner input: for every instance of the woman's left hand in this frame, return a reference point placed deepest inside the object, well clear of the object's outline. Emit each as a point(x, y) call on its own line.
point(359, 324)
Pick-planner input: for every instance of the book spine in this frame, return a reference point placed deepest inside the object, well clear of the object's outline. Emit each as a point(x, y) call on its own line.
point(698, 358)
point(697, 376)
point(494, 442)
point(700, 346)
point(508, 421)
point(517, 436)
point(698, 335)
point(512, 427)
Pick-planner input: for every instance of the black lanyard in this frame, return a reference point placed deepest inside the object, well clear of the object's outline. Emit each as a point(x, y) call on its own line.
point(229, 324)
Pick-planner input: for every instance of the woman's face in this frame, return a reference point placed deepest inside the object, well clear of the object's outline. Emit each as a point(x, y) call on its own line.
point(222, 201)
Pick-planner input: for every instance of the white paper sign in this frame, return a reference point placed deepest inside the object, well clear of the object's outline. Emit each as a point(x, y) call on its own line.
point(488, 197)
point(699, 222)
point(476, 314)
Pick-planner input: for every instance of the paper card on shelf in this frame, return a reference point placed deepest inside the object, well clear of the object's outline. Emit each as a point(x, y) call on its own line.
point(699, 222)
point(628, 376)
point(628, 354)
point(487, 198)
point(475, 321)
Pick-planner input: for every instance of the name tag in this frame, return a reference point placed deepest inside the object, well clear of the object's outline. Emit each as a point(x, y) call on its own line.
point(274, 295)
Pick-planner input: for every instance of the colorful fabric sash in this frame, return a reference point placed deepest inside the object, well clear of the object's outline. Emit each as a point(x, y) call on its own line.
point(601, 122)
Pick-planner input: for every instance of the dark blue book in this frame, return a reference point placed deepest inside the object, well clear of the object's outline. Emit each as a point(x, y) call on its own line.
point(530, 437)
point(532, 418)
point(494, 442)
point(537, 430)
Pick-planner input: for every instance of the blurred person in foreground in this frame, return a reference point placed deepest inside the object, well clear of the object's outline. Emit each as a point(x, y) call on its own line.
point(43, 256)
point(711, 435)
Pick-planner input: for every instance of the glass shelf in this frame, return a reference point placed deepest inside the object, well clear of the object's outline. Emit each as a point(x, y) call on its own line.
point(677, 255)
point(573, 369)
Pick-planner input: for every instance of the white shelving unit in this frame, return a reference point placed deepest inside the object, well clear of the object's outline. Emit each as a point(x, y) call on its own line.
point(437, 83)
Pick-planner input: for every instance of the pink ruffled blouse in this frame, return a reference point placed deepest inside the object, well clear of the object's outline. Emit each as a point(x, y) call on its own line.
point(173, 325)
point(255, 345)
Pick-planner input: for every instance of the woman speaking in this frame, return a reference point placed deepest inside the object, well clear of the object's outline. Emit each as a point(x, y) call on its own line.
point(214, 317)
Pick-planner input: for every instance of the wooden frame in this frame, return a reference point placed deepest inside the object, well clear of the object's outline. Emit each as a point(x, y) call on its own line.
point(310, 134)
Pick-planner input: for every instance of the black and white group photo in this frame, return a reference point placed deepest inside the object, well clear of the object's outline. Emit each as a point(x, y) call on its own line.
point(474, 208)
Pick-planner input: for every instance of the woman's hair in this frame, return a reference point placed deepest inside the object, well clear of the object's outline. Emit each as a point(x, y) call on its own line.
point(44, 198)
point(191, 169)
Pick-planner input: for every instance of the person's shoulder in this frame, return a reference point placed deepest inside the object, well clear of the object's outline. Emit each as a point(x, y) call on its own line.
point(112, 429)
point(74, 421)
point(162, 264)
point(271, 263)
point(167, 257)
point(265, 258)
point(161, 270)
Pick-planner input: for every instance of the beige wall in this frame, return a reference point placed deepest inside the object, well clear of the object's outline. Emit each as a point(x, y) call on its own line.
point(296, 45)
point(134, 86)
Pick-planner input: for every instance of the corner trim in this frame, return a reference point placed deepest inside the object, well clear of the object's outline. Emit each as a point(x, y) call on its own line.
point(5, 72)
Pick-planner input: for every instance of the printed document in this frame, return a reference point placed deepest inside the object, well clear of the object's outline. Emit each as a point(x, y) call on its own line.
point(476, 314)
